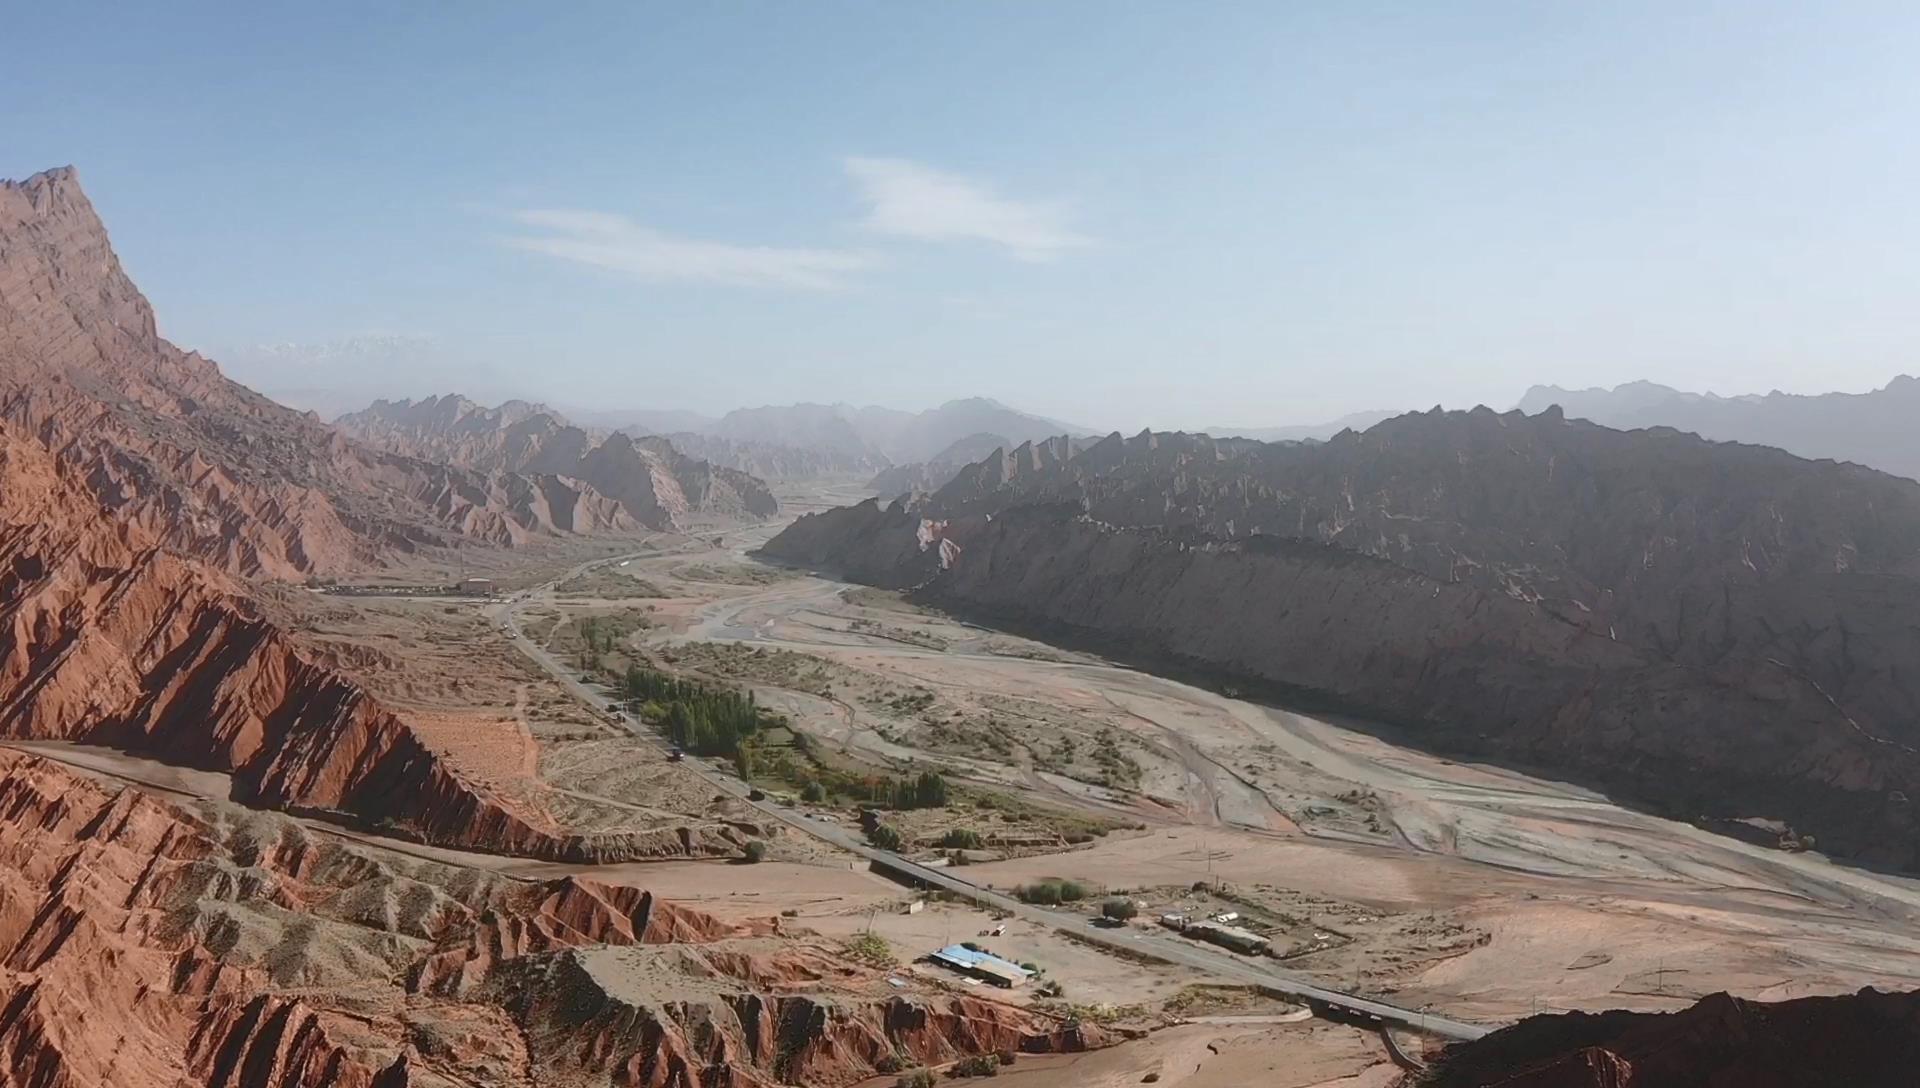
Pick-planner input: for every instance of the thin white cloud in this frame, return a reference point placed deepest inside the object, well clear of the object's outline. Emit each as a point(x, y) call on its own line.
point(909, 200)
point(615, 242)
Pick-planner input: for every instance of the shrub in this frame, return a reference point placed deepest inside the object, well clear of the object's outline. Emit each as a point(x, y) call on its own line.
point(980, 1065)
point(871, 949)
point(1051, 892)
point(890, 1063)
point(919, 1078)
point(961, 838)
point(756, 851)
point(813, 793)
point(885, 837)
point(1119, 909)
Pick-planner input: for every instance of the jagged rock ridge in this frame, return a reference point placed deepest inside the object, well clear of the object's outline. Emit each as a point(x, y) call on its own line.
point(1713, 629)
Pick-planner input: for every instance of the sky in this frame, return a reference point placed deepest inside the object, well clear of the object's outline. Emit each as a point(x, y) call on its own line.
point(1118, 214)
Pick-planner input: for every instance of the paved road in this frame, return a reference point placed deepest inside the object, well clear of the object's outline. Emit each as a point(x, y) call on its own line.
point(1156, 944)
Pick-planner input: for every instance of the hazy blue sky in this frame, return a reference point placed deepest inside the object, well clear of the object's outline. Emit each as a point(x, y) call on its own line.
point(1115, 213)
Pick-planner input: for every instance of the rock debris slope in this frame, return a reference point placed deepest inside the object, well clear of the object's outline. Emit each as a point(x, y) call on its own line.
point(1714, 629)
point(653, 483)
point(159, 437)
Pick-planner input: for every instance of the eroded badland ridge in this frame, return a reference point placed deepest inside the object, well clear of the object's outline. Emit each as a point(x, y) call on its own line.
point(1720, 630)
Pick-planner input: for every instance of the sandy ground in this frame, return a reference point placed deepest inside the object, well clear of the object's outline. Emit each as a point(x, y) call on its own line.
point(1310, 1055)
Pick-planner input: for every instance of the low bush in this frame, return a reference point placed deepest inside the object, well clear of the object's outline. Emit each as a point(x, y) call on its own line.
point(1051, 892)
point(961, 838)
point(980, 1065)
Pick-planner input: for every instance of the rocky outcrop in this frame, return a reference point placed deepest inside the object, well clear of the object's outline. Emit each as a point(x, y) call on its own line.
point(160, 438)
point(146, 945)
point(1869, 1039)
point(1711, 629)
point(648, 480)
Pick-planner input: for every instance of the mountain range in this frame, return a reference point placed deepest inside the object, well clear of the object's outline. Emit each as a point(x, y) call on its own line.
point(651, 481)
point(1871, 428)
point(1708, 628)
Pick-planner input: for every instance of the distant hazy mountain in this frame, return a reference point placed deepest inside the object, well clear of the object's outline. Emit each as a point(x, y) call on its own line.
point(1874, 429)
point(899, 436)
point(643, 420)
point(654, 483)
point(1310, 432)
point(933, 473)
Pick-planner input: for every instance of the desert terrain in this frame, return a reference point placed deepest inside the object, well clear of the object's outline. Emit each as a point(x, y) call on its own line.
point(1480, 892)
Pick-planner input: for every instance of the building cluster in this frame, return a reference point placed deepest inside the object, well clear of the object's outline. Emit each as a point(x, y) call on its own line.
point(1219, 930)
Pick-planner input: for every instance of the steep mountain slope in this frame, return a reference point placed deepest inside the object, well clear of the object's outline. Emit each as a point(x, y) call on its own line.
point(161, 438)
point(1713, 629)
point(1872, 429)
point(653, 483)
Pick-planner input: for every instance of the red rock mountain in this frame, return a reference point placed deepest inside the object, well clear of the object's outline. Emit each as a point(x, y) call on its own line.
point(161, 439)
point(136, 483)
point(652, 482)
point(1710, 628)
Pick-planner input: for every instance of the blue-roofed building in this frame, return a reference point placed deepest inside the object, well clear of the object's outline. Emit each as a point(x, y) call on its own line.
point(981, 965)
